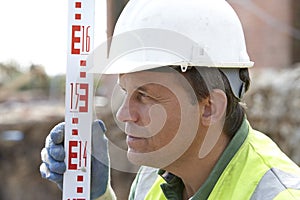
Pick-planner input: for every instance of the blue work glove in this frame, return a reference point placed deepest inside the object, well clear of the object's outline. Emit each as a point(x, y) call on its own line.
point(53, 154)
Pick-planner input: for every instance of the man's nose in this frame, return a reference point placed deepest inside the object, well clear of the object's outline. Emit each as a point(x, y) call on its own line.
point(127, 112)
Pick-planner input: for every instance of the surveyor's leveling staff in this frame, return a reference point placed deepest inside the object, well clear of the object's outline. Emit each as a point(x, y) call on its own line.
point(79, 95)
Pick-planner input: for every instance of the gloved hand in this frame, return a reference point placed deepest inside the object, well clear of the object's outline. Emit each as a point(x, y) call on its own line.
point(53, 165)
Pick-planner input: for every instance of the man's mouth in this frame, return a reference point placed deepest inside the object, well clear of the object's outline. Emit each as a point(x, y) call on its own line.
point(133, 141)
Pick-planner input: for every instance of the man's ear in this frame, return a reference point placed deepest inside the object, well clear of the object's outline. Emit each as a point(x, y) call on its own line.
point(214, 107)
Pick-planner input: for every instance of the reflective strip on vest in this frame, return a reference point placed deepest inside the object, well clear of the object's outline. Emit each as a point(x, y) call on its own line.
point(273, 182)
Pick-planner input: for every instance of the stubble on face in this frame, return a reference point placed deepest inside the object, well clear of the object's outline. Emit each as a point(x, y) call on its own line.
point(155, 123)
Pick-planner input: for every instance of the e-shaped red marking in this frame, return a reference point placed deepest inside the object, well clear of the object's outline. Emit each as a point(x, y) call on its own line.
point(72, 155)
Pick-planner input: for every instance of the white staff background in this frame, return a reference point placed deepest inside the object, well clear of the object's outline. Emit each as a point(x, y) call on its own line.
point(35, 32)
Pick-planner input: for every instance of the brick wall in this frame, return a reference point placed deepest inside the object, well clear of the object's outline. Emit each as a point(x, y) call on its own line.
point(267, 25)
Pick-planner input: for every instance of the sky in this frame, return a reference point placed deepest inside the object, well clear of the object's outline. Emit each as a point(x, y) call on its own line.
point(35, 32)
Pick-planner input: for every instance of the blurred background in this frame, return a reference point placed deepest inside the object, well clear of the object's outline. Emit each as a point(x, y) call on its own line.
point(32, 86)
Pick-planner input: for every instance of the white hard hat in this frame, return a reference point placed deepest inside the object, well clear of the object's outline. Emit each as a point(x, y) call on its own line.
point(154, 33)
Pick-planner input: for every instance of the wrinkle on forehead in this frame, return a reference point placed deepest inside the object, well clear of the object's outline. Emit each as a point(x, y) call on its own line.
point(154, 76)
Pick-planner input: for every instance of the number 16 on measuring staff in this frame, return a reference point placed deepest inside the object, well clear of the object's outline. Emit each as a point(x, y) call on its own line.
point(81, 43)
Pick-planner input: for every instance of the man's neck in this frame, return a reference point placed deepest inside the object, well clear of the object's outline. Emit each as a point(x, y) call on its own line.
point(193, 170)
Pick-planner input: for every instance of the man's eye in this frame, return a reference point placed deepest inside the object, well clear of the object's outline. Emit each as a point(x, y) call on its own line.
point(143, 95)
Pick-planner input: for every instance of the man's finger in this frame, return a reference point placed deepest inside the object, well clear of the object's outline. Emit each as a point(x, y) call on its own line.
point(57, 133)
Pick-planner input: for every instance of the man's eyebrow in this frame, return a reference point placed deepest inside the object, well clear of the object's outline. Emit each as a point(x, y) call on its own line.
point(145, 88)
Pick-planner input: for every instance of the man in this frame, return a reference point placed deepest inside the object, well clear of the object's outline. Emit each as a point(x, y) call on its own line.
point(183, 68)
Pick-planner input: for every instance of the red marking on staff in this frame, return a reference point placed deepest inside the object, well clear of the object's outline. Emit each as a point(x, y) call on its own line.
point(82, 74)
point(85, 154)
point(79, 178)
point(84, 98)
point(78, 16)
point(79, 189)
point(72, 155)
point(75, 132)
point(82, 63)
point(77, 4)
point(75, 121)
point(75, 28)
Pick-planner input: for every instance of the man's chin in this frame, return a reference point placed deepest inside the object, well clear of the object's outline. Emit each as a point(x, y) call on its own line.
point(151, 159)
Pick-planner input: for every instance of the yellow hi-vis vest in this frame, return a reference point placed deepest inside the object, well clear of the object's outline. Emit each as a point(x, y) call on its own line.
point(256, 170)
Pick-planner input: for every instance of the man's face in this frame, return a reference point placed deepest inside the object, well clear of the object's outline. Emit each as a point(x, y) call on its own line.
point(160, 120)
